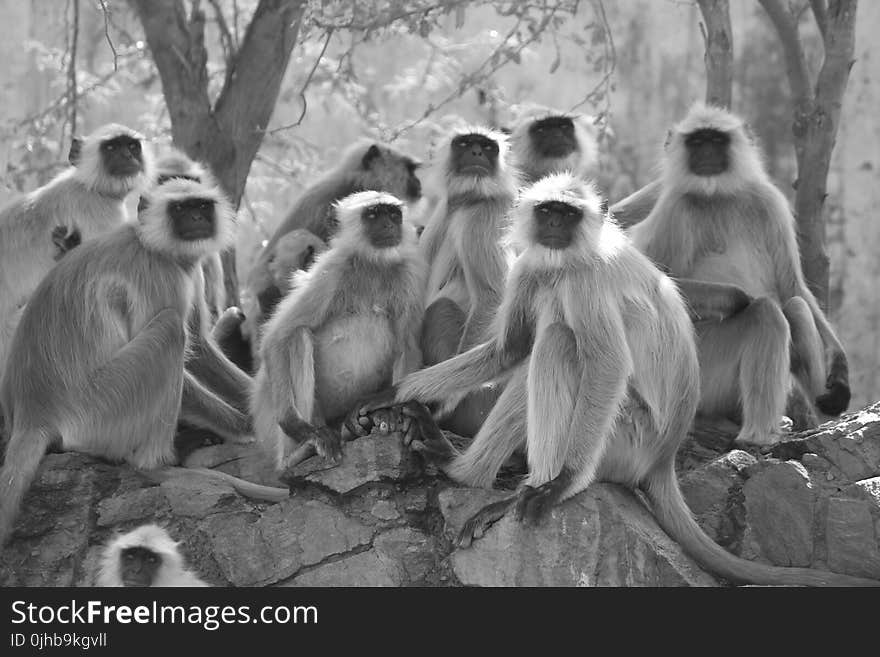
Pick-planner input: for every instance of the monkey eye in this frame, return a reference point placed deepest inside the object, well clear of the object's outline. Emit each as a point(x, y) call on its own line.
point(491, 146)
point(544, 209)
point(204, 205)
point(371, 214)
point(152, 558)
point(129, 557)
point(110, 147)
point(135, 147)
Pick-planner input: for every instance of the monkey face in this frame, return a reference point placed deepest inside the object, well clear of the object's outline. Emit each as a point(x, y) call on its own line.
point(474, 155)
point(553, 136)
point(555, 224)
point(192, 218)
point(708, 151)
point(413, 184)
point(122, 156)
point(138, 566)
point(383, 224)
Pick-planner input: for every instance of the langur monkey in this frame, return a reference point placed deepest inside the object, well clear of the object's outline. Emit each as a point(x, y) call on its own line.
point(545, 141)
point(461, 244)
point(146, 556)
point(97, 363)
point(367, 165)
point(612, 377)
point(720, 223)
point(348, 329)
point(84, 201)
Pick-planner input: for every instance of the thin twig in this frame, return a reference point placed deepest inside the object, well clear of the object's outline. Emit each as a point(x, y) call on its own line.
point(106, 11)
point(302, 91)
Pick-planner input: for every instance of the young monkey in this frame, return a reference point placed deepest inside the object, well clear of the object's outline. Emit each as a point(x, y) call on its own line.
point(348, 328)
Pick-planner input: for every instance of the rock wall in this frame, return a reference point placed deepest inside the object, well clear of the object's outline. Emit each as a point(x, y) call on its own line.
point(382, 519)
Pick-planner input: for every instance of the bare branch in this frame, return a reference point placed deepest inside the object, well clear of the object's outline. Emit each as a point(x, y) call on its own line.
point(71, 70)
point(302, 91)
point(718, 37)
point(609, 60)
point(105, 10)
point(820, 13)
point(795, 60)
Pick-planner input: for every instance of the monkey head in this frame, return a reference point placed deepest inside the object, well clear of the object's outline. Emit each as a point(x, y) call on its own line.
point(293, 251)
point(558, 220)
point(175, 164)
point(373, 224)
point(382, 167)
point(186, 219)
point(138, 557)
point(476, 163)
point(113, 160)
point(545, 141)
point(711, 152)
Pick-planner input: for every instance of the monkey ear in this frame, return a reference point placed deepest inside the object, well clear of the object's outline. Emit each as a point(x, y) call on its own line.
point(75, 153)
point(143, 204)
point(373, 153)
point(668, 139)
point(750, 133)
point(504, 129)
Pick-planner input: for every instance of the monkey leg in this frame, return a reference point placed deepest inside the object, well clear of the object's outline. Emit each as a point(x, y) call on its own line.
point(126, 408)
point(503, 432)
point(744, 366)
point(312, 437)
point(442, 329)
point(807, 357)
point(203, 408)
point(228, 335)
point(712, 300)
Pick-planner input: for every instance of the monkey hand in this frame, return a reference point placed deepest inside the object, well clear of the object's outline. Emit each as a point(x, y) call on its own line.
point(738, 300)
point(360, 421)
point(477, 524)
point(328, 443)
point(424, 436)
point(836, 400)
point(323, 440)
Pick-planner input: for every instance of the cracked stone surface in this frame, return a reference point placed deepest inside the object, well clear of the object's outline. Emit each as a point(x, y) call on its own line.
point(381, 519)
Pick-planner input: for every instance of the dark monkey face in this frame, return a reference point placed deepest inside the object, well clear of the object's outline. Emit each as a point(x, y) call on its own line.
point(555, 224)
point(122, 156)
point(413, 184)
point(383, 224)
point(708, 151)
point(139, 566)
point(553, 136)
point(192, 218)
point(475, 155)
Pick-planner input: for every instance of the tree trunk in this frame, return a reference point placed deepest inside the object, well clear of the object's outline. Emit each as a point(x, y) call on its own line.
point(718, 35)
point(816, 120)
point(227, 134)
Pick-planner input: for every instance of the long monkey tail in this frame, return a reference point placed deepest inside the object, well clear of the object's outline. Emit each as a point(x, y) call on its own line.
point(246, 488)
point(675, 518)
point(23, 455)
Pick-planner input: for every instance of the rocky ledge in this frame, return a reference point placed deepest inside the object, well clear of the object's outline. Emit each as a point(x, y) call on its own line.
point(382, 519)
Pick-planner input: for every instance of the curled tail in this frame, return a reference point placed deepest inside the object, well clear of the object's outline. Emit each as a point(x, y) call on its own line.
point(244, 487)
point(23, 455)
point(675, 518)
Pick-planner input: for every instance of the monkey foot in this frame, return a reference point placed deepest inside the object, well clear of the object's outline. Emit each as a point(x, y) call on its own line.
point(360, 422)
point(836, 400)
point(424, 436)
point(759, 438)
point(477, 524)
point(533, 504)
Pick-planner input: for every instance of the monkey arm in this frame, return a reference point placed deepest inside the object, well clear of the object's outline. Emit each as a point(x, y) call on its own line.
point(638, 205)
point(208, 363)
point(201, 407)
point(408, 328)
point(707, 300)
point(485, 280)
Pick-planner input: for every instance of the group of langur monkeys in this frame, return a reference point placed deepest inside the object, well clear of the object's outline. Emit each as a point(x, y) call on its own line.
point(524, 316)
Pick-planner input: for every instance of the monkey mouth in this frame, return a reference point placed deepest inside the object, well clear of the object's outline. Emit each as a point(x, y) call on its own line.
point(554, 241)
point(136, 579)
point(478, 170)
point(386, 241)
point(557, 149)
point(128, 169)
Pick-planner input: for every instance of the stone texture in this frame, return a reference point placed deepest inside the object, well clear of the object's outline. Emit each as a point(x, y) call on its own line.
point(370, 459)
point(780, 503)
point(380, 519)
point(601, 537)
point(243, 461)
point(255, 549)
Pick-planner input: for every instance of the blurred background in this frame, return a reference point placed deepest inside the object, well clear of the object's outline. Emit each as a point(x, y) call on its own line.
point(406, 71)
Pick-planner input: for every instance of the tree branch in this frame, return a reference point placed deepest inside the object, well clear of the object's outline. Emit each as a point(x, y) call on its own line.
point(718, 36)
point(795, 60)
